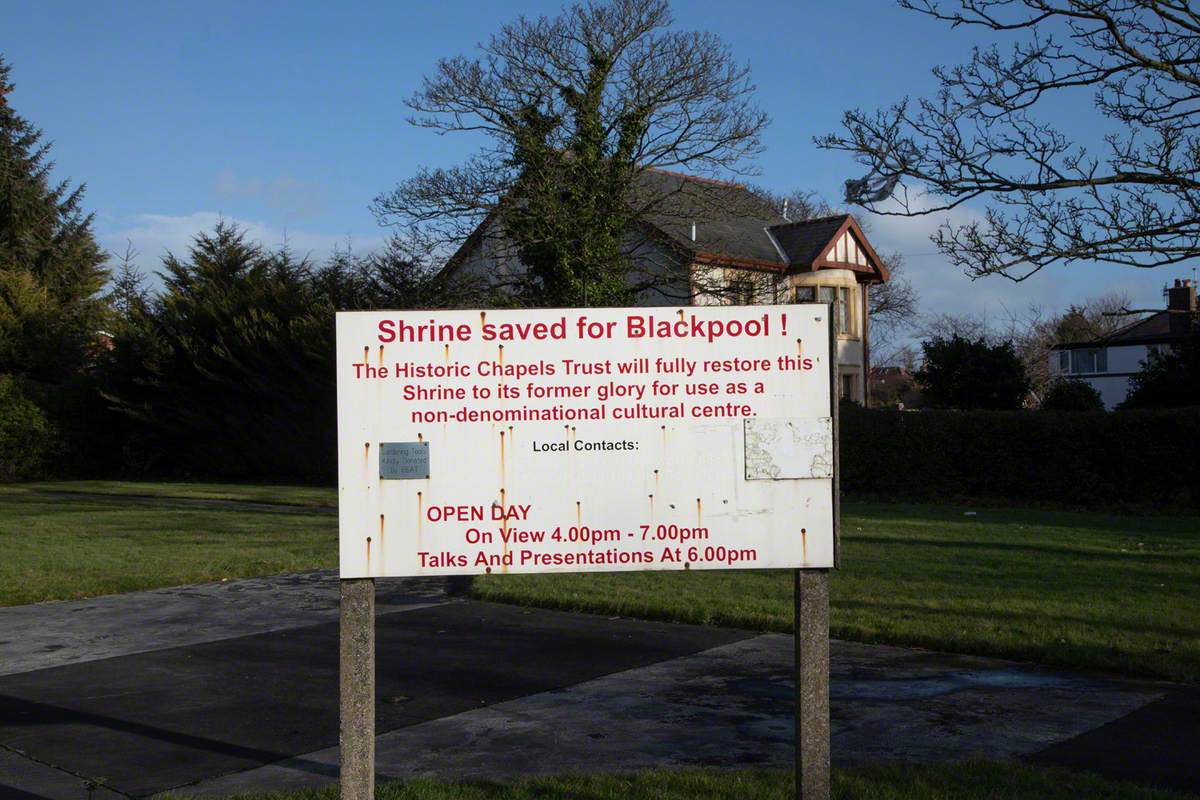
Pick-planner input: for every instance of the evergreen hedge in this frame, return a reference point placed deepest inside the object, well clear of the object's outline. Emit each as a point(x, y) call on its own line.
point(1137, 457)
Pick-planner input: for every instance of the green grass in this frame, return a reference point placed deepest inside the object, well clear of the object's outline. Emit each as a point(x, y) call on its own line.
point(316, 496)
point(984, 780)
point(1091, 591)
point(57, 550)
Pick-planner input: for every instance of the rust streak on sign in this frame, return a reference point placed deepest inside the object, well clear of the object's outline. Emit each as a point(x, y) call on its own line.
point(799, 347)
point(578, 513)
point(381, 355)
point(381, 556)
point(504, 529)
point(699, 513)
point(368, 551)
point(804, 544)
point(651, 507)
point(502, 480)
point(447, 353)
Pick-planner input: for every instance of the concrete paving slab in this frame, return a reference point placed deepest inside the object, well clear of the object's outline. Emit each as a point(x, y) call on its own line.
point(732, 706)
point(174, 716)
point(22, 778)
point(43, 635)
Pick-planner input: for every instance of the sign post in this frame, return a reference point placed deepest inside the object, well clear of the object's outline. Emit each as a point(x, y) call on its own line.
point(357, 680)
point(583, 440)
point(811, 597)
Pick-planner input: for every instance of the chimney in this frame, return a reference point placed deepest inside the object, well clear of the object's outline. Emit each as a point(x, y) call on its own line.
point(1181, 301)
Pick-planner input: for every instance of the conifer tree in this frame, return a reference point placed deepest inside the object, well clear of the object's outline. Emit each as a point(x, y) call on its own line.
point(51, 269)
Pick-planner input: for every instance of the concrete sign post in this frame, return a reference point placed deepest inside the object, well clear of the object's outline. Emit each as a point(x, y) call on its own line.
point(599, 439)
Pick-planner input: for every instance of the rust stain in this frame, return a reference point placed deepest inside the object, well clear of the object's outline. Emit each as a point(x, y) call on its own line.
point(799, 347)
point(804, 545)
point(510, 434)
point(656, 477)
point(503, 530)
point(502, 480)
point(366, 356)
point(420, 516)
point(680, 312)
point(368, 553)
point(651, 506)
point(447, 354)
point(699, 512)
point(381, 355)
point(420, 437)
point(578, 513)
point(366, 452)
point(381, 558)
point(482, 317)
point(500, 358)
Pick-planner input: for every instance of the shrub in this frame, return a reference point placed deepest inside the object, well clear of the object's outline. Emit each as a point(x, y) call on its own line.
point(1072, 395)
point(27, 439)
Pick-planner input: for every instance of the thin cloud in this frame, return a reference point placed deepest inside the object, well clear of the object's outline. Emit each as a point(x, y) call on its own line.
point(283, 193)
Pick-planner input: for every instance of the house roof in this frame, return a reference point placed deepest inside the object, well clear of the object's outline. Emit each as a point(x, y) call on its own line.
point(1154, 329)
point(728, 224)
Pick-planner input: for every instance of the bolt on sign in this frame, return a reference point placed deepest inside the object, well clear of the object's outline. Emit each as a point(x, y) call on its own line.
point(572, 440)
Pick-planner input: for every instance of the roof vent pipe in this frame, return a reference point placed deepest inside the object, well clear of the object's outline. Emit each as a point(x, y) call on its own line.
point(785, 205)
point(693, 230)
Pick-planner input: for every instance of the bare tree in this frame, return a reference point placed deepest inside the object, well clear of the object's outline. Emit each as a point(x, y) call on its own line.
point(573, 110)
point(1135, 202)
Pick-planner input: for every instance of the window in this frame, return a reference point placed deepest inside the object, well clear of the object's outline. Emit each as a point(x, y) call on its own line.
point(843, 311)
point(741, 292)
point(839, 296)
point(1086, 361)
point(847, 387)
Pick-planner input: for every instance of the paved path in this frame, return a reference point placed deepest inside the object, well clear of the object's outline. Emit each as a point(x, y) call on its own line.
point(229, 687)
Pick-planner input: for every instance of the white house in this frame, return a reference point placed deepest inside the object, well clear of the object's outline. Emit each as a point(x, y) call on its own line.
point(1109, 362)
point(710, 242)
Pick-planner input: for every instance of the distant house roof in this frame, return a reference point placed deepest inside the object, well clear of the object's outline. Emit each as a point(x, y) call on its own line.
point(727, 224)
point(1154, 329)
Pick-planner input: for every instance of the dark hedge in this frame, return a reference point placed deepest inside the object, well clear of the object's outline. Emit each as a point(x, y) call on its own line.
point(1134, 458)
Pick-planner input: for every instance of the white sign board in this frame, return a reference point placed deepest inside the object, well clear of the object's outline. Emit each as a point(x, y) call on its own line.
point(570, 440)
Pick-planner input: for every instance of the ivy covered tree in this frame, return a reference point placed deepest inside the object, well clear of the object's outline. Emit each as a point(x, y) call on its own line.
point(51, 269)
point(573, 110)
point(965, 373)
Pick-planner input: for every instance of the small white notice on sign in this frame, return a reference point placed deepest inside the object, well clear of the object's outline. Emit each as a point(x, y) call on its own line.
point(569, 440)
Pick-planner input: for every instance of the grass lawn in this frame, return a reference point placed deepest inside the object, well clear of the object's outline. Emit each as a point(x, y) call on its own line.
point(287, 495)
point(1092, 591)
point(976, 781)
point(56, 550)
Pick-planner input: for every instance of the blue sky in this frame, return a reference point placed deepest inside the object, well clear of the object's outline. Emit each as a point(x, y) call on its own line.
point(289, 117)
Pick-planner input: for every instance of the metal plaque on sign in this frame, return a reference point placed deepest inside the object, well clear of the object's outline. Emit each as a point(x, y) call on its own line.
point(403, 461)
